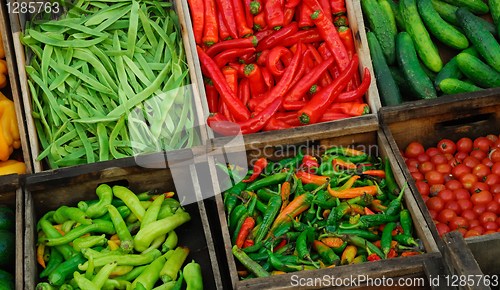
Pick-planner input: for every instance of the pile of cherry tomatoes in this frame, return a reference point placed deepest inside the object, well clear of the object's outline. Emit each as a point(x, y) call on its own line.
point(460, 183)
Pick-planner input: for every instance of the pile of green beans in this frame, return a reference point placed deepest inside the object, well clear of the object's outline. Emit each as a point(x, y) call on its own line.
point(109, 80)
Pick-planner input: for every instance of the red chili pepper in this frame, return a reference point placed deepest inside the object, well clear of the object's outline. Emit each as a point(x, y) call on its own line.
point(304, 84)
point(279, 57)
point(341, 20)
point(254, 75)
point(325, 79)
point(235, 106)
point(357, 93)
point(212, 96)
point(279, 91)
point(307, 178)
point(258, 167)
point(280, 245)
point(248, 13)
point(231, 44)
point(244, 91)
point(226, 11)
point(289, 13)
point(223, 31)
point(338, 7)
point(305, 20)
point(225, 111)
point(288, 117)
point(268, 77)
point(210, 29)
point(241, 23)
point(374, 172)
point(320, 102)
point(373, 257)
point(256, 7)
point(351, 108)
point(274, 14)
point(343, 164)
point(306, 36)
point(309, 164)
point(231, 76)
point(326, 54)
point(292, 3)
point(262, 58)
point(248, 58)
point(232, 55)
point(329, 33)
point(248, 243)
point(345, 34)
point(247, 226)
point(294, 106)
point(392, 253)
point(325, 5)
point(275, 124)
point(333, 116)
point(368, 212)
point(410, 253)
point(259, 22)
point(277, 37)
point(197, 9)
point(221, 125)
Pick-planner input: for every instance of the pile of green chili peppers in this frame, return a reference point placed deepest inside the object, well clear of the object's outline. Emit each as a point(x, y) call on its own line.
point(305, 213)
point(119, 241)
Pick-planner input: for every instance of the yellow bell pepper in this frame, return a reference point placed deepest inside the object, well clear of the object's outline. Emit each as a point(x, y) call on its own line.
point(12, 167)
point(9, 130)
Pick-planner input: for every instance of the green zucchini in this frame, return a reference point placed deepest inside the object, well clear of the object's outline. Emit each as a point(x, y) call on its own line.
point(389, 91)
point(397, 15)
point(480, 73)
point(451, 86)
point(448, 13)
point(380, 25)
point(425, 48)
point(412, 70)
point(451, 70)
point(483, 41)
point(386, 8)
point(441, 29)
point(474, 6)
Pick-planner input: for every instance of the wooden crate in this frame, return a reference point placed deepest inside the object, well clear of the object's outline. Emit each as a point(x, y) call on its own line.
point(467, 115)
point(12, 196)
point(358, 29)
point(367, 135)
point(49, 190)
point(12, 91)
point(17, 22)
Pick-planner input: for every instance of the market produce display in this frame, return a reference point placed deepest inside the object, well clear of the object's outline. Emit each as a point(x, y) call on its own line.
point(459, 182)
point(7, 247)
point(302, 214)
point(272, 66)
point(109, 83)
point(119, 241)
point(404, 38)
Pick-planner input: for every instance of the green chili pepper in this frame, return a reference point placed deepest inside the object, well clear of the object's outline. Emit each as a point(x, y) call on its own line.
point(362, 243)
point(235, 216)
point(130, 199)
point(326, 254)
point(178, 283)
point(170, 242)
point(44, 286)
point(55, 259)
point(193, 276)
point(265, 194)
point(359, 259)
point(147, 279)
point(362, 200)
point(267, 181)
point(123, 210)
point(405, 240)
point(381, 195)
point(279, 265)
point(103, 274)
point(123, 259)
point(126, 240)
point(385, 241)
point(151, 214)
point(65, 213)
point(238, 227)
point(395, 205)
point(136, 271)
point(84, 283)
point(231, 196)
point(98, 226)
point(349, 153)
point(173, 265)
point(389, 178)
point(304, 239)
point(368, 221)
point(357, 232)
point(251, 265)
point(98, 209)
point(406, 222)
point(88, 242)
point(65, 270)
point(251, 205)
point(50, 232)
point(273, 208)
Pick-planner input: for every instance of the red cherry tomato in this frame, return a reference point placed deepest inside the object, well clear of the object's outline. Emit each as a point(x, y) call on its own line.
point(495, 155)
point(478, 228)
point(492, 137)
point(423, 157)
point(453, 184)
point(488, 162)
point(448, 156)
point(453, 162)
point(444, 168)
point(439, 159)
point(460, 155)
point(464, 204)
point(488, 232)
point(492, 179)
point(425, 198)
point(453, 205)
point(498, 220)
point(495, 189)
point(481, 170)
point(495, 169)
point(413, 169)
point(458, 222)
point(426, 167)
point(417, 176)
point(464, 145)
point(431, 151)
point(488, 216)
point(479, 209)
point(472, 233)
point(422, 187)
point(460, 170)
point(468, 179)
point(483, 144)
point(461, 193)
point(446, 195)
point(412, 162)
point(446, 215)
point(490, 226)
point(447, 146)
point(434, 177)
point(478, 154)
point(470, 162)
point(493, 207)
point(477, 187)
point(436, 188)
point(435, 203)
point(481, 198)
point(469, 214)
point(414, 149)
point(433, 214)
point(442, 229)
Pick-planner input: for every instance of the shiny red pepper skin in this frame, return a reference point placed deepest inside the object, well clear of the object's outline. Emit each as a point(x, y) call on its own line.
point(262, 58)
point(333, 116)
point(223, 31)
point(304, 84)
point(305, 12)
point(325, 78)
point(210, 26)
point(244, 91)
point(345, 34)
point(212, 96)
point(275, 124)
point(254, 75)
point(357, 93)
point(329, 33)
point(232, 55)
point(248, 13)
point(231, 76)
point(268, 77)
point(258, 167)
point(279, 91)
point(325, 5)
point(277, 55)
point(373, 257)
point(259, 22)
point(306, 36)
point(197, 9)
point(294, 106)
point(225, 9)
point(309, 164)
point(338, 7)
point(277, 37)
point(350, 108)
point(326, 54)
point(307, 178)
point(288, 117)
point(235, 106)
point(274, 14)
point(312, 112)
point(231, 44)
point(241, 22)
point(289, 13)
point(292, 3)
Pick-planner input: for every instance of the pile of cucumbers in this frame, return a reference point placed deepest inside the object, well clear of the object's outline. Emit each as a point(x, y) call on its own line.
point(403, 38)
point(7, 247)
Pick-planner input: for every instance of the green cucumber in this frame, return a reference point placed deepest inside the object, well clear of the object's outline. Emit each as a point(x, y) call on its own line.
point(480, 73)
point(404, 87)
point(389, 91)
point(425, 48)
point(380, 25)
point(412, 70)
point(397, 15)
point(474, 6)
point(448, 13)
point(495, 10)
point(451, 86)
point(386, 8)
point(441, 29)
point(483, 41)
point(451, 70)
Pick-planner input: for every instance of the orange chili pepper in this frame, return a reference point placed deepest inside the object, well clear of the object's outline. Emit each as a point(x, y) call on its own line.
point(343, 164)
point(368, 211)
point(59, 229)
point(40, 252)
point(353, 192)
point(410, 253)
point(307, 178)
point(285, 194)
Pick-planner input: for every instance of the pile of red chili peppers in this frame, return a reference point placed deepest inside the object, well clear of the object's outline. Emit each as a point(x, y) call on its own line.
point(277, 64)
point(304, 213)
